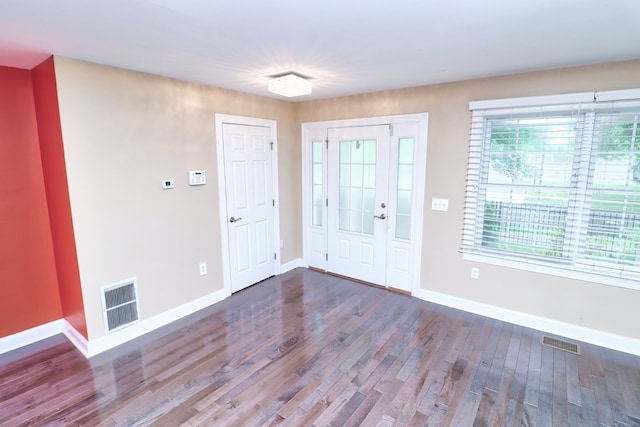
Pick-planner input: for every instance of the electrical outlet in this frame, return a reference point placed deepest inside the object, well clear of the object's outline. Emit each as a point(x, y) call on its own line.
point(475, 272)
point(203, 268)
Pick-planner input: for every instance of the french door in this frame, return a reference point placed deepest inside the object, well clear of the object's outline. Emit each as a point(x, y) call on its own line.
point(363, 198)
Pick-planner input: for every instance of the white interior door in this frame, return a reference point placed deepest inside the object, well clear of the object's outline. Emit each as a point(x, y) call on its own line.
point(358, 198)
point(250, 203)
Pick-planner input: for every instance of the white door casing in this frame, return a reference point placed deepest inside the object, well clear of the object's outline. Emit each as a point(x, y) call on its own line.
point(400, 184)
point(247, 170)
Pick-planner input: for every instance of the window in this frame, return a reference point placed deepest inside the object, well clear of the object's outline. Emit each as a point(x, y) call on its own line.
point(405, 188)
point(316, 182)
point(555, 181)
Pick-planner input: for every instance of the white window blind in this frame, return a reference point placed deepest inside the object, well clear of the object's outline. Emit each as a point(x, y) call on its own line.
point(556, 181)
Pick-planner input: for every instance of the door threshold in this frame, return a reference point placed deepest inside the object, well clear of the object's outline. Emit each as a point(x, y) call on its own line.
point(388, 288)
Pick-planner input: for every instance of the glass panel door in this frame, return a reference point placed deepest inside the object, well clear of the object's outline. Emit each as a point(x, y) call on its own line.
point(358, 162)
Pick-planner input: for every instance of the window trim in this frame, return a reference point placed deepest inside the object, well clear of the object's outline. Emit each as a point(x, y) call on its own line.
point(584, 101)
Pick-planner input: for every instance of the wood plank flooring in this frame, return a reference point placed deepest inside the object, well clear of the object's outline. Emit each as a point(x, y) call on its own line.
point(307, 348)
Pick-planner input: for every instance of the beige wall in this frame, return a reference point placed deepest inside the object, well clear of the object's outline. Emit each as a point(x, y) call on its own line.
point(595, 306)
point(123, 133)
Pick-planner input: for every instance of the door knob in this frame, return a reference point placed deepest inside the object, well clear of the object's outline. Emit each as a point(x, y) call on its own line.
point(232, 219)
point(383, 216)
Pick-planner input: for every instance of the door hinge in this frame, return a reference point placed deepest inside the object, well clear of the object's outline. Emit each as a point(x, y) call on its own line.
point(273, 201)
point(326, 202)
point(271, 143)
point(326, 257)
point(390, 130)
point(275, 255)
point(326, 141)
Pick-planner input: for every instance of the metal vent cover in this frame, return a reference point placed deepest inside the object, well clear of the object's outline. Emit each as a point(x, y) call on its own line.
point(560, 344)
point(120, 304)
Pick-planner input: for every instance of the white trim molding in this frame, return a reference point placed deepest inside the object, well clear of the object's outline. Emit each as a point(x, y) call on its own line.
point(291, 265)
point(136, 330)
point(568, 330)
point(76, 338)
point(30, 336)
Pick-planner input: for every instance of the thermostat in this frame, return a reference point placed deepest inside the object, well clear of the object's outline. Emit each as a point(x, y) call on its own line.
point(197, 178)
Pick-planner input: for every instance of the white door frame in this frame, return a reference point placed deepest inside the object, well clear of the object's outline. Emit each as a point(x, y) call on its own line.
point(312, 131)
point(221, 119)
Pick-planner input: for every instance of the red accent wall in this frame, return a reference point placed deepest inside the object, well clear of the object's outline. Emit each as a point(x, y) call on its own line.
point(28, 282)
point(57, 194)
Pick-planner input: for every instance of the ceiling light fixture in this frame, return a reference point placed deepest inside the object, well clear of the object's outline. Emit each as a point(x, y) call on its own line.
point(290, 84)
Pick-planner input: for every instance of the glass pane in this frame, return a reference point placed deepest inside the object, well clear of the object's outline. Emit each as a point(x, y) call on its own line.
point(345, 152)
point(357, 152)
point(317, 215)
point(317, 195)
point(403, 227)
point(617, 162)
point(405, 184)
point(316, 182)
point(316, 156)
point(369, 199)
point(345, 197)
point(404, 202)
point(355, 221)
point(343, 220)
point(345, 175)
point(356, 175)
point(532, 151)
point(405, 175)
point(356, 188)
point(613, 234)
point(370, 152)
point(405, 151)
point(317, 173)
point(369, 176)
point(356, 199)
point(525, 220)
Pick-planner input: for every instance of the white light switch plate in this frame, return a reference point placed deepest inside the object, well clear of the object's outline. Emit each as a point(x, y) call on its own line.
point(439, 204)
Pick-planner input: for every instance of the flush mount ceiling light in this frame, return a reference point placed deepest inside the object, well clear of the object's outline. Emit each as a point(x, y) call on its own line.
point(290, 84)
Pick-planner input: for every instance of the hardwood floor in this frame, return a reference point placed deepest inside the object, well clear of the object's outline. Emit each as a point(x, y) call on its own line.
point(306, 349)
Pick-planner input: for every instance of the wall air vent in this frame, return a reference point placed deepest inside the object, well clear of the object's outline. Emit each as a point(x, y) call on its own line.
point(560, 344)
point(120, 304)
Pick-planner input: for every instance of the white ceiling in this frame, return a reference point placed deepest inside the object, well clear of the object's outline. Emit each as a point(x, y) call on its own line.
point(346, 46)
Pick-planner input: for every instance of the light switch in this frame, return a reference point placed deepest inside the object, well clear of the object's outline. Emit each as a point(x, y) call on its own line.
point(439, 204)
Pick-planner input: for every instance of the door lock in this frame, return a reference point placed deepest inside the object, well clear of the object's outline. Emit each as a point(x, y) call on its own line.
point(232, 219)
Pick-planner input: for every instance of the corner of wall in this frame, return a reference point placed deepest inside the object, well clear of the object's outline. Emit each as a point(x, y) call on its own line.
point(57, 194)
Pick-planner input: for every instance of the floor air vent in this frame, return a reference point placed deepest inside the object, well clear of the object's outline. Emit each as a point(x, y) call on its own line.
point(120, 304)
point(561, 345)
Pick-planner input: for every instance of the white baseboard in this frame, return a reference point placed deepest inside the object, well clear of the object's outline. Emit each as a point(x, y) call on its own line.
point(110, 341)
point(288, 266)
point(568, 330)
point(31, 336)
point(76, 338)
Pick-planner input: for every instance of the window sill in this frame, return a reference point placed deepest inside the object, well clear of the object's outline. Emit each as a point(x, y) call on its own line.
point(553, 270)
